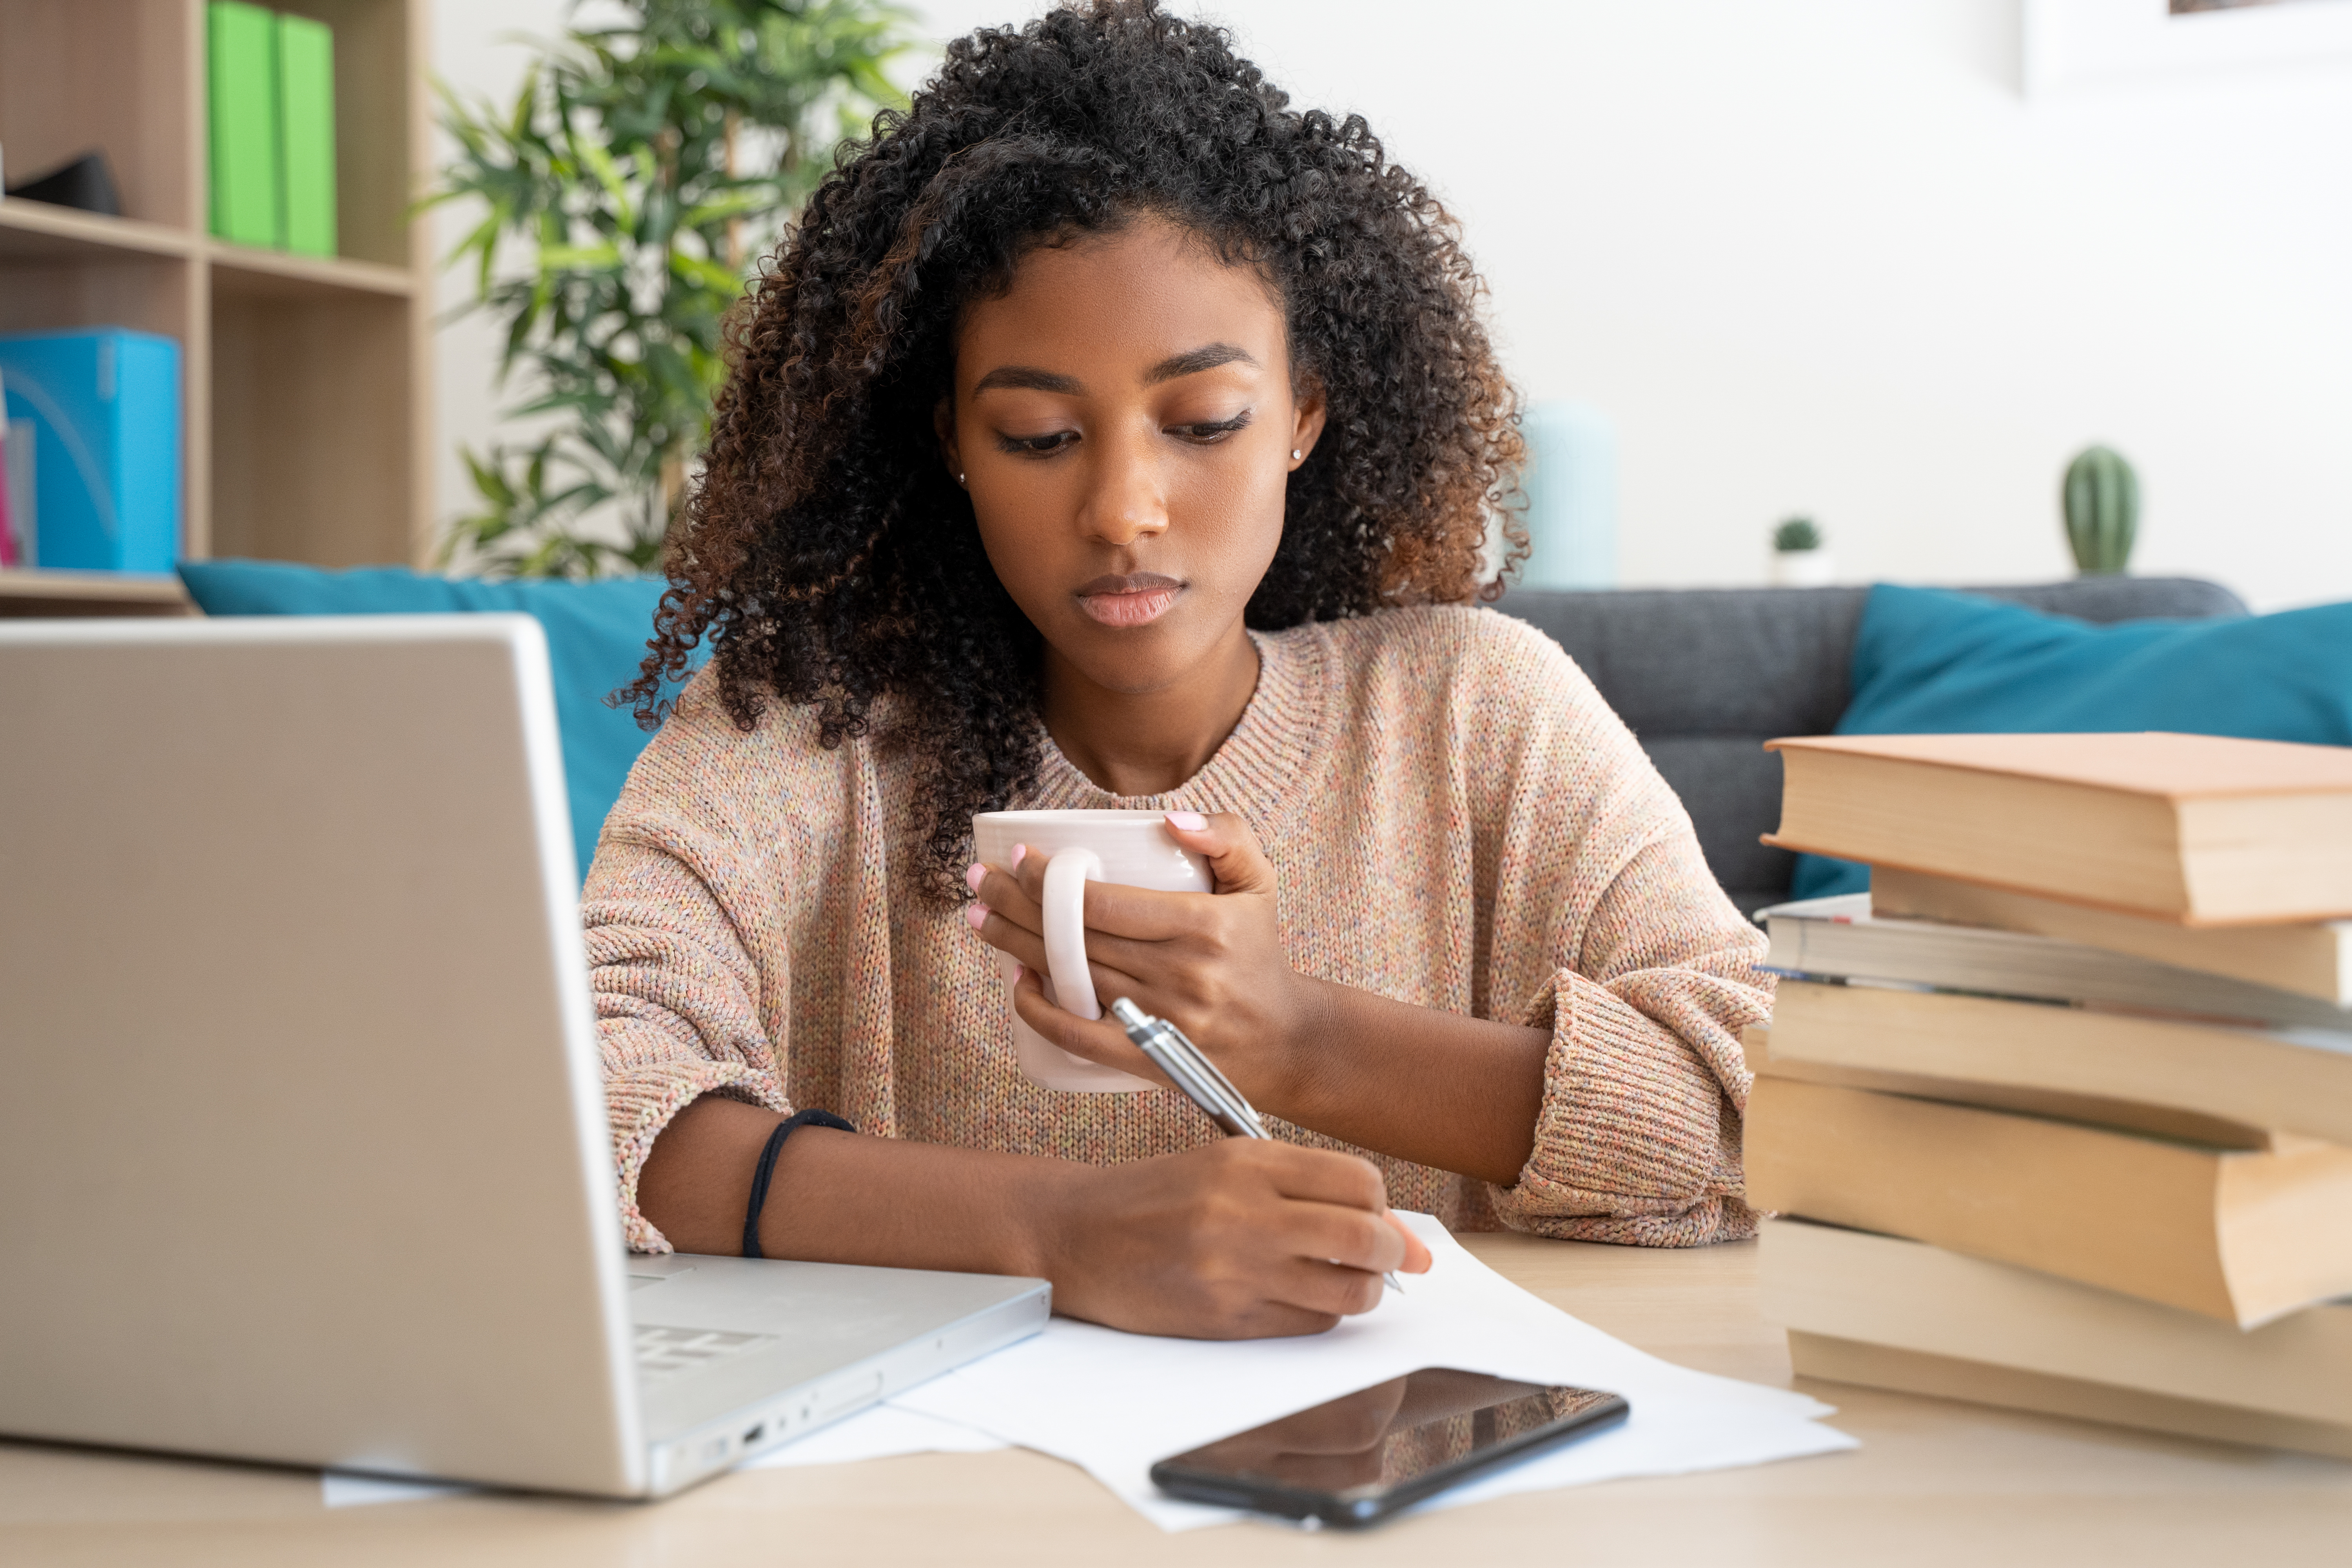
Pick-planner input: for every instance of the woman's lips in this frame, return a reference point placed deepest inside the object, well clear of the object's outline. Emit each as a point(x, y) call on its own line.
point(1136, 599)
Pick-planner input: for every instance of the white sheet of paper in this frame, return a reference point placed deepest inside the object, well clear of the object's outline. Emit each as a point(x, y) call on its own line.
point(1114, 1402)
point(341, 1489)
point(878, 1434)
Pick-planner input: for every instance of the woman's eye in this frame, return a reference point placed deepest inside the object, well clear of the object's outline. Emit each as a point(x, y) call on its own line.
point(1207, 432)
point(1037, 446)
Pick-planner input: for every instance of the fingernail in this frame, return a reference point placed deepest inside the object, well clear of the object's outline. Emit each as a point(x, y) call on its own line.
point(1020, 853)
point(1018, 971)
point(974, 876)
point(1190, 821)
point(977, 914)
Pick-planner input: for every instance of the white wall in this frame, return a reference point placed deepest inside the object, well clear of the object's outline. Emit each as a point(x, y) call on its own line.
point(1821, 256)
point(481, 49)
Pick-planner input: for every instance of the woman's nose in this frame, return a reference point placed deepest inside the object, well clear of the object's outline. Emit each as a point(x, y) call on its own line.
point(1127, 500)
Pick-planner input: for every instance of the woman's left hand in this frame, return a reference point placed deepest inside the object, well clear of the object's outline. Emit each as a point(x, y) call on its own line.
point(1210, 963)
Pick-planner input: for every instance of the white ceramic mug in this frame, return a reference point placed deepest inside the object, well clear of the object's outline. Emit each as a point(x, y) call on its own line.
point(1133, 848)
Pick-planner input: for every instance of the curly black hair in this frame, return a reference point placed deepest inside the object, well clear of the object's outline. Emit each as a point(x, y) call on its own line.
point(828, 555)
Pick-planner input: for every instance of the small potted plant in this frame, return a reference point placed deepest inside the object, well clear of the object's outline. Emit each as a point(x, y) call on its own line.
point(2100, 497)
point(1799, 557)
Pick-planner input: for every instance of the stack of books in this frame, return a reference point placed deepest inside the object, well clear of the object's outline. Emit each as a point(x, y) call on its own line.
point(2059, 1115)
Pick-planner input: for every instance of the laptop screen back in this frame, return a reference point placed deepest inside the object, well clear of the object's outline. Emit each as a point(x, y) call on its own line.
point(300, 1130)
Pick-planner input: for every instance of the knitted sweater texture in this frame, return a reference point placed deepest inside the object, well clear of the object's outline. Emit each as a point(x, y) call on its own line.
point(1455, 819)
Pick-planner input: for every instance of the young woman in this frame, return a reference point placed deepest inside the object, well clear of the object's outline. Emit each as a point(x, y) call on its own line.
point(1110, 435)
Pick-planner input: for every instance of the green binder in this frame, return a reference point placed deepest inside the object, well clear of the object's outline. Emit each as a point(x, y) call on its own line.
point(248, 206)
point(306, 122)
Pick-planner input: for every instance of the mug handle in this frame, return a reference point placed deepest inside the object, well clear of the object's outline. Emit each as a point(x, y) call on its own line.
point(1066, 876)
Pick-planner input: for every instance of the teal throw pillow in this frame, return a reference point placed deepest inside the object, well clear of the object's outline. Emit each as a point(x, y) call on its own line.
point(1929, 661)
point(596, 634)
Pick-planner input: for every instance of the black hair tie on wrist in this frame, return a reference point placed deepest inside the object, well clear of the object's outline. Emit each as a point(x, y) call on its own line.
point(766, 1169)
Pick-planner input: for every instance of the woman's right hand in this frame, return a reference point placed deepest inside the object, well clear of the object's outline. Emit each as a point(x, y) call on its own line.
point(1239, 1239)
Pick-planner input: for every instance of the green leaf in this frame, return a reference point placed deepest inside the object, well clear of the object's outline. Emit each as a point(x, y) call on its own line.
point(579, 258)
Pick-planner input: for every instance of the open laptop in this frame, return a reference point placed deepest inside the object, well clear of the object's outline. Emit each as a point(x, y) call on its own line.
point(303, 1152)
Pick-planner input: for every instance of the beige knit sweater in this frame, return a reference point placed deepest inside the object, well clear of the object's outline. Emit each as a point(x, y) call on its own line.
point(1456, 820)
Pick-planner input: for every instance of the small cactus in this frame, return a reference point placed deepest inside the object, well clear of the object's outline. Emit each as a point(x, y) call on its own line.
point(1796, 533)
point(2101, 496)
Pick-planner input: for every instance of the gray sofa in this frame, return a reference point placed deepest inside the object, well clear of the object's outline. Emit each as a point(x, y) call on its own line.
point(1705, 676)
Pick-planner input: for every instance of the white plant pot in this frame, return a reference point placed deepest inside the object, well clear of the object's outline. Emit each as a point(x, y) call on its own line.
point(1804, 568)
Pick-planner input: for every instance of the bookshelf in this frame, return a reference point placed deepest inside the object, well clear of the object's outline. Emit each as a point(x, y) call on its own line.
point(305, 398)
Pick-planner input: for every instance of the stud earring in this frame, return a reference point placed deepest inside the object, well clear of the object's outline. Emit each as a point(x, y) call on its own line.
point(1295, 454)
point(958, 477)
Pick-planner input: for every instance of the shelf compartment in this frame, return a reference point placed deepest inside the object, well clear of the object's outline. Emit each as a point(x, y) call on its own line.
point(242, 272)
point(37, 232)
point(111, 76)
point(313, 420)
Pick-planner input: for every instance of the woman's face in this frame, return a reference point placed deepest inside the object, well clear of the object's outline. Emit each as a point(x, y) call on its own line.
point(1123, 420)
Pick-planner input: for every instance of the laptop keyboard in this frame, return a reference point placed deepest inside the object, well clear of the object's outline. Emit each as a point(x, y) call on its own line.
point(664, 1352)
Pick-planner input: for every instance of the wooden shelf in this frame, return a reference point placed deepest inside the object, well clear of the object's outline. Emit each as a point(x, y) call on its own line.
point(252, 274)
point(37, 232)
point(91, 593)
point(306, 380)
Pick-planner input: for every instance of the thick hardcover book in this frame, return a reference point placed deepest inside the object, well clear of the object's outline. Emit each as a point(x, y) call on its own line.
point(2241, 1235)
point(306, 126)
point(1901, 1314)
point(2311, 960)
point(1846, 937)
point(241, 76)
point(1835, 1360)
point(2090, 1110)
point(2195, 830)
point(2173, 1076)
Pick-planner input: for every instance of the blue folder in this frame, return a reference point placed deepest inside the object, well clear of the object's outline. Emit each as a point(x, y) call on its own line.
point(104, 406)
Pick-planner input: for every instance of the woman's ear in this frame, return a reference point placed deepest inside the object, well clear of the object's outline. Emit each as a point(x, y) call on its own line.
point(944, 427)
point(1307, 426)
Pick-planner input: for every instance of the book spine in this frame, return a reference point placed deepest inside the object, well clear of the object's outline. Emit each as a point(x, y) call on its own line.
point(306, 122)
point(241, 69)
point(8, 515)
point(24, 508)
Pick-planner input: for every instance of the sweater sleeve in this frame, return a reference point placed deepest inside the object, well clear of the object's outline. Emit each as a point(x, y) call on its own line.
point(673, 892)
point(1609, 923)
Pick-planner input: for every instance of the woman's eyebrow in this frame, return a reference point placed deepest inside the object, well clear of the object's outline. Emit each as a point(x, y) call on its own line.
point(1029, 378)
point(1194, 360)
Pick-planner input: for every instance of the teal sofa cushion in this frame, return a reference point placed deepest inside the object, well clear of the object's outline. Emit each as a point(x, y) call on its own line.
point(1928, 661)
point(596, 634)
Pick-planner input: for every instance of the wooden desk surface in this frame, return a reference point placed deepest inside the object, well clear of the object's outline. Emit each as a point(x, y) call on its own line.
point(1933, 1483)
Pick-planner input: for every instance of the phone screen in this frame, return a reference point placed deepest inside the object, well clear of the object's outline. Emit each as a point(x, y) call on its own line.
point(1365, 1455)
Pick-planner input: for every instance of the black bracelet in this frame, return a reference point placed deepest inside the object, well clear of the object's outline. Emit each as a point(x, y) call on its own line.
point(766, 1169)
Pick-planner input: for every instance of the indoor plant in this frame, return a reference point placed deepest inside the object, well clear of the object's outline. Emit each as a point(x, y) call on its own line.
point(2100, 497)
point(640, 170)
point(1800, 558)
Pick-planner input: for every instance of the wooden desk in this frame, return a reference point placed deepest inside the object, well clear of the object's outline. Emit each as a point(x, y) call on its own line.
point(1935, 1483)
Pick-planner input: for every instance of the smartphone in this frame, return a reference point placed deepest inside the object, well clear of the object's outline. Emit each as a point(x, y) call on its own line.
point(1358, 1458)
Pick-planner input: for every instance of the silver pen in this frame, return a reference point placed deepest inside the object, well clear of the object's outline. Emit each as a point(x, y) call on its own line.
point(1191, 1070)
